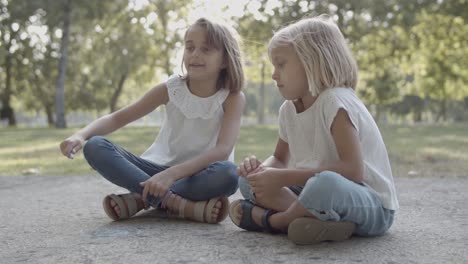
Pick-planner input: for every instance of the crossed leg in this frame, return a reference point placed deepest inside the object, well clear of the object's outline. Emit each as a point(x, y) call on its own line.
point(284, 201)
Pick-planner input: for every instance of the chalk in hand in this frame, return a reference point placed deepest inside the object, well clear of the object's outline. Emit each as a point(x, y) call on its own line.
point(71, 155)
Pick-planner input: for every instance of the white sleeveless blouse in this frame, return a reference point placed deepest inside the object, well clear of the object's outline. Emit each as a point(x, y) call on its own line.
point(191, 125)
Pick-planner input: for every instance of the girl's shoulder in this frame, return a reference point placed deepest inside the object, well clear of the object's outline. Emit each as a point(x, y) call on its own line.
point(335, 93)
point(287, 111)
point(333, 99)
point(286, 107)
point(234, 98)
point(337, 97)
point(175, 82)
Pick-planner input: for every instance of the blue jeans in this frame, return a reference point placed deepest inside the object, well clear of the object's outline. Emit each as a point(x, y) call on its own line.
point(127, 170)
point(331, 197)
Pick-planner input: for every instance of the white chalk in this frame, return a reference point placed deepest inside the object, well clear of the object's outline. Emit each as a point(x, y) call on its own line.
point(71, 155)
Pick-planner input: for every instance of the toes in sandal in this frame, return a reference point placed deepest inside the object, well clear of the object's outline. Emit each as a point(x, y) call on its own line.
point(202, 210)
point(307, 230)
point(246, 222)
point(126, 202)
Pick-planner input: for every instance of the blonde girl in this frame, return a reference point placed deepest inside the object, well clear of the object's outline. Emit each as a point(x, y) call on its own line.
point(329, 176)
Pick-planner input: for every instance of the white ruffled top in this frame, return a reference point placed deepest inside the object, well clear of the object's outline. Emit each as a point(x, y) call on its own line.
point(191, 125)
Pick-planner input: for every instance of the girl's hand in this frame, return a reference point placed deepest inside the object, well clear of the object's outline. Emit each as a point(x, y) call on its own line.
point(264, 181)
point(249, 165)
point(70, 146)
point(158, 185)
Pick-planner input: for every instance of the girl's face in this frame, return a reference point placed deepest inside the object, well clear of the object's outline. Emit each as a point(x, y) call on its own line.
point(289, 73)
point(201, 61)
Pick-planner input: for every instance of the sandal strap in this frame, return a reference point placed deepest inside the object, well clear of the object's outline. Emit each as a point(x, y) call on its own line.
point(224, 210)
point(246, 221)
point(202, 210)
point(266, 223)
point(132, 206)
point(209, 209)
point(182, 204)
point(199, 211)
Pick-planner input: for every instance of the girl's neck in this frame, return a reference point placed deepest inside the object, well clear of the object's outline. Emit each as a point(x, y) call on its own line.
point(304, 103)
point(202, 88)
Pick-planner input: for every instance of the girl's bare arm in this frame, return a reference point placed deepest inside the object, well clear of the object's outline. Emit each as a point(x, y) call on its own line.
point(280, 157)
point(111, 122)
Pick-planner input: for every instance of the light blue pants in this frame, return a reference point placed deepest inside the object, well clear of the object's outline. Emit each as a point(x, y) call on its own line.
point(126, 170)
point(331, 197)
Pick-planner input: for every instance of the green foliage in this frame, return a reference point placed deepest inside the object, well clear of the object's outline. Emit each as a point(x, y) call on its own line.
point(378, 56)
point(439, 57)
point(116, 52)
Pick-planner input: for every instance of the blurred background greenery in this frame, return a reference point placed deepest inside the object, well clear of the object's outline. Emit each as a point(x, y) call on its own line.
point(414, 150)
point(65, 62)
point(412, 55)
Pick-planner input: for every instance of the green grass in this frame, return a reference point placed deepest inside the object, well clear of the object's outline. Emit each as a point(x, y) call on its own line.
point(423, 150)
point(428, 150)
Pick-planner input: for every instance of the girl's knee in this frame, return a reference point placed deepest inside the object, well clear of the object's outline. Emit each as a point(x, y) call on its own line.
point(323, 185)
point(326, 181)
point(224, 166)
point(92, 148)
point(226, 175)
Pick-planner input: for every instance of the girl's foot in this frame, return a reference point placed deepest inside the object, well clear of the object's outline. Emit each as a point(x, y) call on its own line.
point(211, 211)
point(263, 220)
point(123, 206)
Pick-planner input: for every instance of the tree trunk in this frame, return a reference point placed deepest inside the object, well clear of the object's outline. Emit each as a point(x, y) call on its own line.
point(443, 110)
point(261, 97)
point(7, 111)
point(45, 99)
point(442, 113)
point(417, 116)
point(60, 87)
point(117, 92)
point(161, 9)
point(50, 115)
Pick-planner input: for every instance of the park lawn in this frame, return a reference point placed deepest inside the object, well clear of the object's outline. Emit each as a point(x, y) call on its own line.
point(415, 150)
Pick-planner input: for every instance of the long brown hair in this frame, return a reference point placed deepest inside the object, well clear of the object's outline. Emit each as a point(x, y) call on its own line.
point(225, 39)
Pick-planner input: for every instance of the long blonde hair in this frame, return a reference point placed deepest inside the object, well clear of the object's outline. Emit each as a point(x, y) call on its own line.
point(323, 51)
point(225, 39)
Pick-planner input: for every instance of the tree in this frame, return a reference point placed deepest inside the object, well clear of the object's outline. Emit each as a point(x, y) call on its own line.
point(124, 47)
point(378, 56)
point(62, 67)
point(40, 94)
point(168, 29)
point(257, 63)
point(13, 19)
point(72, 19)
point(263, 17)
point(439, 55)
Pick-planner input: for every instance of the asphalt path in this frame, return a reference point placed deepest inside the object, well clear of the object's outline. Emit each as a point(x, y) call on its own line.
point(53, 219)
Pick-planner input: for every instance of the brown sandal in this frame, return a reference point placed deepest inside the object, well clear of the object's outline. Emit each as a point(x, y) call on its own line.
point(202, 210)
point(127, 204)
point(308, 230)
